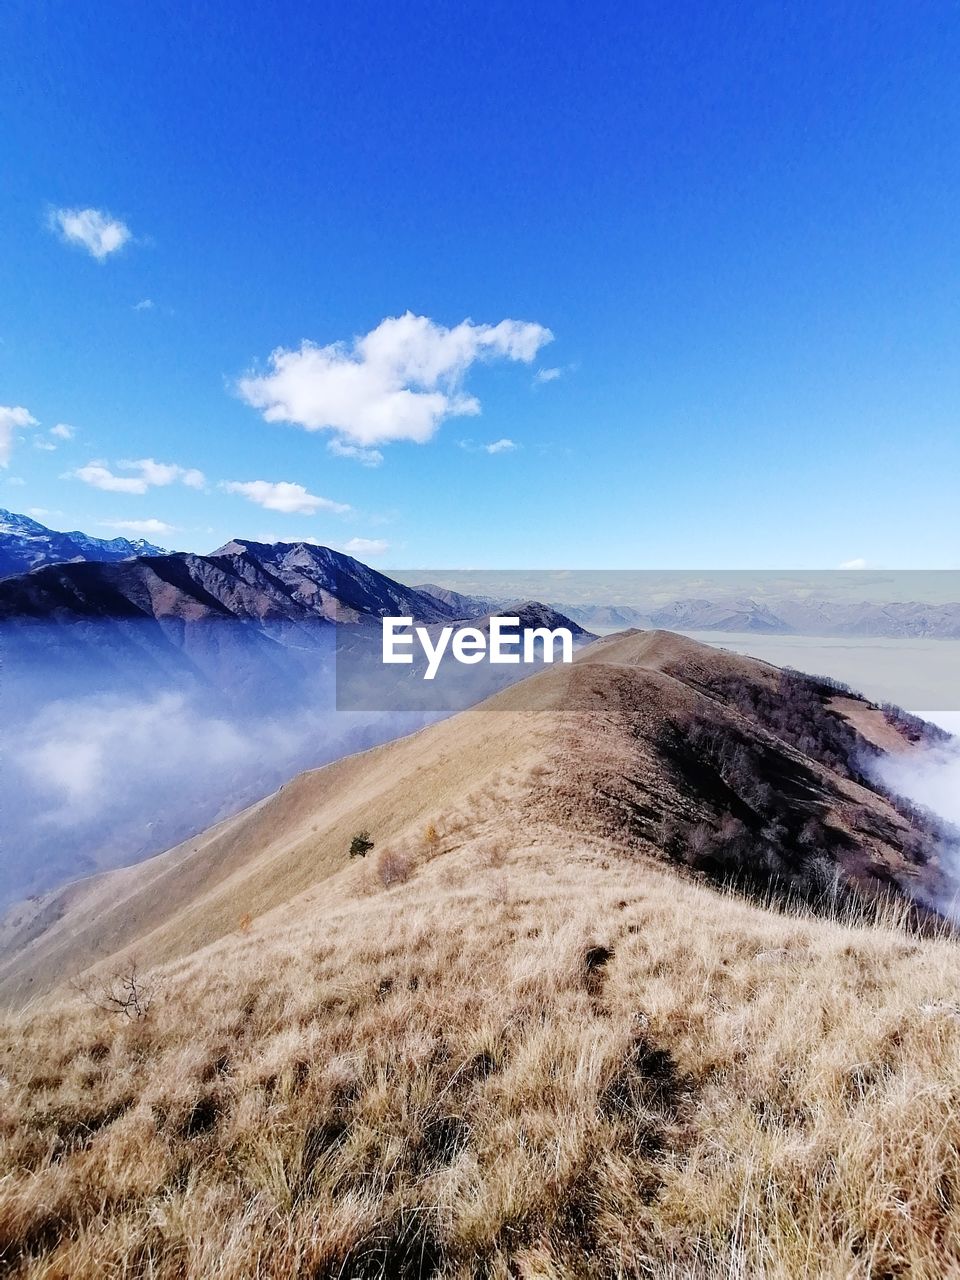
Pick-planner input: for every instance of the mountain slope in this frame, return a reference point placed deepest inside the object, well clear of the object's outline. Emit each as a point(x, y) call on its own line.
point(599, 748)
point(26, 544)
point(242, 581)
point(519, 1038)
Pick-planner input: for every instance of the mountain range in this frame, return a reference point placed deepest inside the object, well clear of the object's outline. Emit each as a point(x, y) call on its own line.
point(783, 616)
point(26, 544)
point(312, 581)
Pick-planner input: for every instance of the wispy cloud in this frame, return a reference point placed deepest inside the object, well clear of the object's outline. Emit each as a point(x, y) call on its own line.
point(397, 382)
point(142, 527)
point(366, 546)
point(503, 445)
point(145, 304)
point(149, 474)
point(366, 457)
point(858, 563)
point(92, 229)
point(57, 434)
point(547, 375)
point(12, 419)
point(281, 495)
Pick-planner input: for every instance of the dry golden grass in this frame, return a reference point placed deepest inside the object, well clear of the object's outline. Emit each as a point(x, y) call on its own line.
point(535, 1058)
point(506, 1043)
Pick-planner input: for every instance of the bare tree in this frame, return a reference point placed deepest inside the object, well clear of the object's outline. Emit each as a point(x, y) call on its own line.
point(124, 992)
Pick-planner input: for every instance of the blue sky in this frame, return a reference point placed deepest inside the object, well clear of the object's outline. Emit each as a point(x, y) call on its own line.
point(739, 223)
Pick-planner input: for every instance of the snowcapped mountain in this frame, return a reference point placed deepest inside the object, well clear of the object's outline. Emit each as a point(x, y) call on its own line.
point(26, 544)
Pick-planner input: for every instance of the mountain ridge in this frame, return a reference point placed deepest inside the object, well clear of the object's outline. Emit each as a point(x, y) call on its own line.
point(26, 544)
point(595, 749)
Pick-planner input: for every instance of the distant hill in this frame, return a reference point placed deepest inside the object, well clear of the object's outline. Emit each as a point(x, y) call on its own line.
point(26, 544)
point(781, 616)
point(465, 606)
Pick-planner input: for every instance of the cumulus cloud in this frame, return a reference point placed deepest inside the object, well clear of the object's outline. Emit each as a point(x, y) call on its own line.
point(99, 476)
point(366, 457)
point(92, 229)
point(150, 526)
point(397, 382)
point(63, 431)
point(12, 418)
point(366, 546)
point(149, 475)
point(281, 495)
point(164, 473)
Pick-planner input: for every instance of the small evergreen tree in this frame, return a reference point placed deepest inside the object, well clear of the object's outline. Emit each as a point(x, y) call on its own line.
point(360, 845)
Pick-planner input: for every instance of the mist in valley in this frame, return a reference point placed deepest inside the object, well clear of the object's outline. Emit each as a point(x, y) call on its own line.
point(113, 752)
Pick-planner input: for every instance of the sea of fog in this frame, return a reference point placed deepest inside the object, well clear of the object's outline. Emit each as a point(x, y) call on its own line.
point(107, 770)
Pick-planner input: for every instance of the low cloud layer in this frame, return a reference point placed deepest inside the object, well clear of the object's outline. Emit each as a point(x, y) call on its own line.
point(103, 779)
point(400, 381)
point(929, 777)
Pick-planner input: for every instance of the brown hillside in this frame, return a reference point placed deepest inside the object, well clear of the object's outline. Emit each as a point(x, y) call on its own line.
point(590, 749)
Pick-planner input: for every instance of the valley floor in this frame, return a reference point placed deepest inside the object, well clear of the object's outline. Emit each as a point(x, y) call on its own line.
point(526, 1057)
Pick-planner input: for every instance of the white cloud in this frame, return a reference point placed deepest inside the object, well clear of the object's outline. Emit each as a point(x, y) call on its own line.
point(12, 417)
point(547, 375)
point(62, 431)
point(503, 445)
point(398, 382)
point(366, 457)
point(17, 480)
point(37, 512)
point(150, 526)
point(92, 229)
point(858, 563)
point(145, 304)
point(291, 499)
point(151, 475)
point(45, 446)
point(366, 546)
point(164, 473)
point(99, 476)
